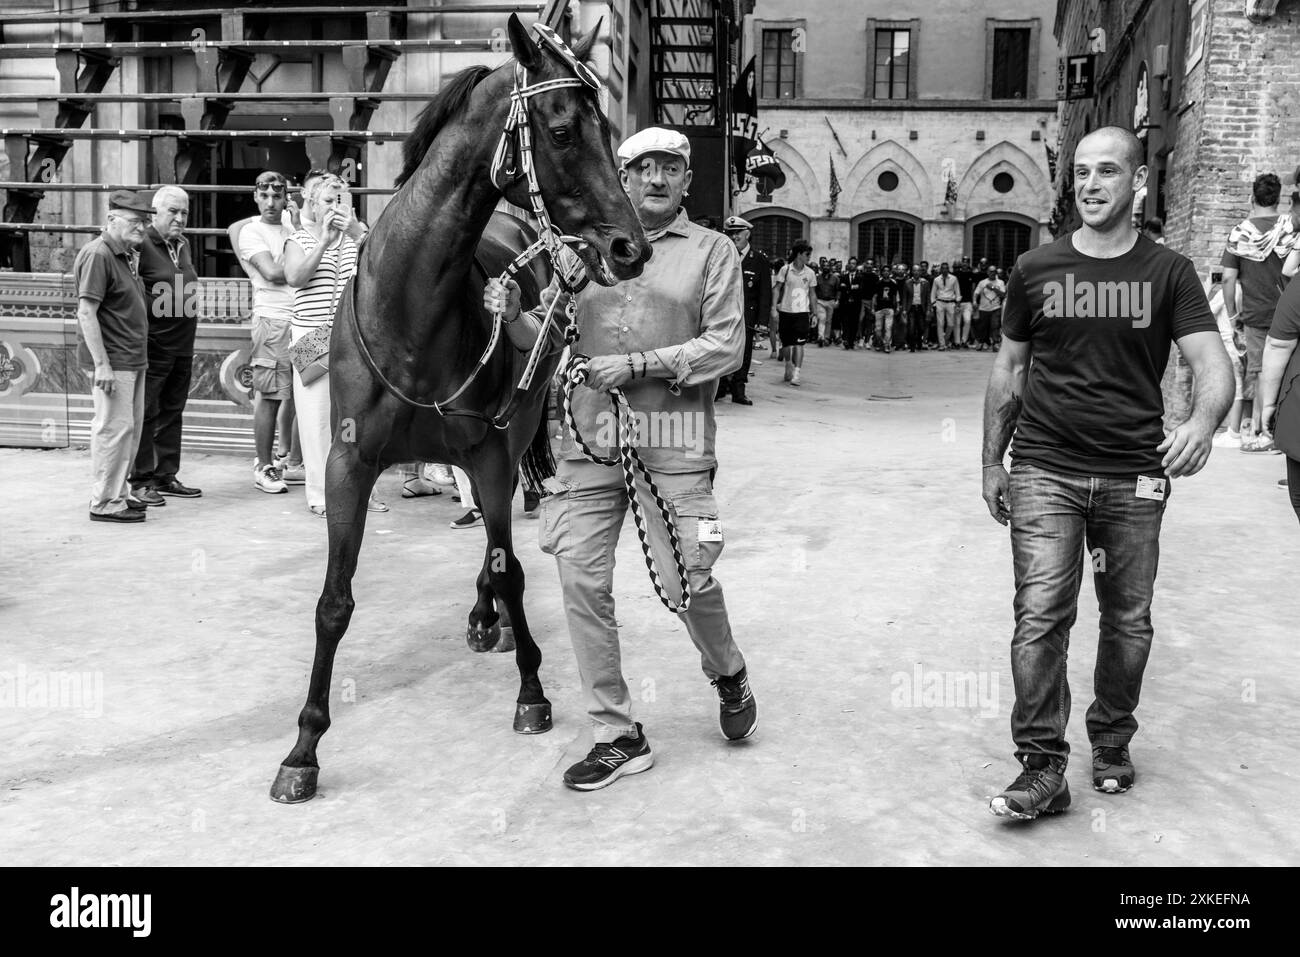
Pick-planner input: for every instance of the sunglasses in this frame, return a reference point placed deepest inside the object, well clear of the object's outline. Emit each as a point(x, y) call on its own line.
point(272, 189)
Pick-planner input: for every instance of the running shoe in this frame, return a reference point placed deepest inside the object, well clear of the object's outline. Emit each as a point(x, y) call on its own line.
point(438, 474)
point(1036, 791)
point(609, 761)
point(1227, 440)
point(268, 479)
point(737, 711)
point(1112, 770)
point(294, 474)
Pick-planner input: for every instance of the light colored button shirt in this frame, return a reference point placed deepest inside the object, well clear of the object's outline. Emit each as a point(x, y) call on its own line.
point(687, 309)
point(945, 288)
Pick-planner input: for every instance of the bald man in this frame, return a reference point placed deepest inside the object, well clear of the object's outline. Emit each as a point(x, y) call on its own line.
point(170, 286)
point(1096, 311)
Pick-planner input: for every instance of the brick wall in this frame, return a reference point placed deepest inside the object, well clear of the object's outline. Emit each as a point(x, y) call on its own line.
point(1245, 120)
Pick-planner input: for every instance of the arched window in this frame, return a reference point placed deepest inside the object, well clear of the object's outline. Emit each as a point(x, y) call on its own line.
point(887, 241)
point(775, 233)
point(999, 241)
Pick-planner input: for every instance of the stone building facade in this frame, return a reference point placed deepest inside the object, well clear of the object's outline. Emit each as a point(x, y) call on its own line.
point(932, 119)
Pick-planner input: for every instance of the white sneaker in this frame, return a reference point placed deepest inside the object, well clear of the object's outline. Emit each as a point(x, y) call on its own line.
point(267, 479)
point(294, 474)
point(438, 474)
point(1227, 440)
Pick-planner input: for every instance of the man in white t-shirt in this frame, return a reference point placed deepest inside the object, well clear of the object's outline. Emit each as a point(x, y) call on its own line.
point(261, 251)
point(989, 295)
point(796, 284)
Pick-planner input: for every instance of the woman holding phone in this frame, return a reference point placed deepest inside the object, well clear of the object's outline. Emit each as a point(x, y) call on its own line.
point(319, 259)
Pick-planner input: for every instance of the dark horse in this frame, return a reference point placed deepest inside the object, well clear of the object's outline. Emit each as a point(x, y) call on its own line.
point(413, 316)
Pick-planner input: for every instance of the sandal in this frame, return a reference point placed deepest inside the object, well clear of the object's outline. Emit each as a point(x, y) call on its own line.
point(317, 510)
point(374, 505)
point(418, 488)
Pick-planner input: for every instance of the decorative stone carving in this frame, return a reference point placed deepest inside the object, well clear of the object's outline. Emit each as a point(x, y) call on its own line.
point(19, 369)
point(237, 378)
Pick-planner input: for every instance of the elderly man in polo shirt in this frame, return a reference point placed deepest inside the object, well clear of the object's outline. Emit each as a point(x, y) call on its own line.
point(113, 330)
point(664, 339)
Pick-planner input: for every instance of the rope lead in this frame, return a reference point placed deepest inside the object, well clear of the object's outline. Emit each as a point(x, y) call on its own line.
point(575, 374)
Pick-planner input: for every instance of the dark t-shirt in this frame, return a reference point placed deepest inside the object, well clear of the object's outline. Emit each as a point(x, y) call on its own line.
point(887, 292)
point(870, 283)
point(828, 285)
point(966, 280)
point(1099, 332)
point(1261, 283)
point(1286, 326)
point(172, 292)
point(102, 271)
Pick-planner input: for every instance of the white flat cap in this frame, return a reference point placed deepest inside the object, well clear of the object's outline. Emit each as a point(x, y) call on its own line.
point(654, 139)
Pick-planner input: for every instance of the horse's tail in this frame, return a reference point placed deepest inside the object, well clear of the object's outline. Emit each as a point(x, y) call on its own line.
point(538, 464)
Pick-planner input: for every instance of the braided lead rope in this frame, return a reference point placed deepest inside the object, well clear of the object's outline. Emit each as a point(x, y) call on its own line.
point(575, 373)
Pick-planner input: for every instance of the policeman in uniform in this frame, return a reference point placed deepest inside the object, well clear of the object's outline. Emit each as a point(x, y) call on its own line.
point(758, 301)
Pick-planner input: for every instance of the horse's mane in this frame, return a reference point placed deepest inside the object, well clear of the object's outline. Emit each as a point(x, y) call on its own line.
point(449, 101)
point(445, 104)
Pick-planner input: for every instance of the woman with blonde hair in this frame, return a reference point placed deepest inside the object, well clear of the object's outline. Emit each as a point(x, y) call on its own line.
point(319, 259)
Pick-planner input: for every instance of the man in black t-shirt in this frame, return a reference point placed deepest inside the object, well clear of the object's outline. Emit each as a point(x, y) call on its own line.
point(1096, 312)
point(1279, 387)
point(885, 306)
point(966, 280)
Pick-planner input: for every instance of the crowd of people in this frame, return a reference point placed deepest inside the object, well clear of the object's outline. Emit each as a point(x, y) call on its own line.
point(138, 349)
point(298, 258)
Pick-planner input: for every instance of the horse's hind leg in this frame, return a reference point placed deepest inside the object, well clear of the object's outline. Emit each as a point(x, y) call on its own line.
point(506, 575)
point(349, 481)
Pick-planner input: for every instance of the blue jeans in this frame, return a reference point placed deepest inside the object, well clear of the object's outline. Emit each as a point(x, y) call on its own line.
point(1054, 517)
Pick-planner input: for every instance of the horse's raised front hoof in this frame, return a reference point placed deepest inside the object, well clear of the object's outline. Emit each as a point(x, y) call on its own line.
point(533, 718)
point(294, 785)
point(480, 638)
point(507, 642)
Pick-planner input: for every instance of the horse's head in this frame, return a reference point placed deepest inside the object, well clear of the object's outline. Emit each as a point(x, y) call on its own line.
point(572, 160)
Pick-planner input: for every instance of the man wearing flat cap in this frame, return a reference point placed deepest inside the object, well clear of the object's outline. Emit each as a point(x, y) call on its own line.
point(757, 274)
point(664, 339)
point(113, 330)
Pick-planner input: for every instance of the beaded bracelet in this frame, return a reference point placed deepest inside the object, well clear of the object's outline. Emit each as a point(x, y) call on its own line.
point(631, 370)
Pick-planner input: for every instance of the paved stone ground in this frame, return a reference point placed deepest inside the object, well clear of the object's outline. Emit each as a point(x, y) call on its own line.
point(861, 567)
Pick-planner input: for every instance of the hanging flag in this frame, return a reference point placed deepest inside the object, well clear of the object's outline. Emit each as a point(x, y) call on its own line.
point(835, 187)
point(948, 171)
point(765, 169)
point(744, 121)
